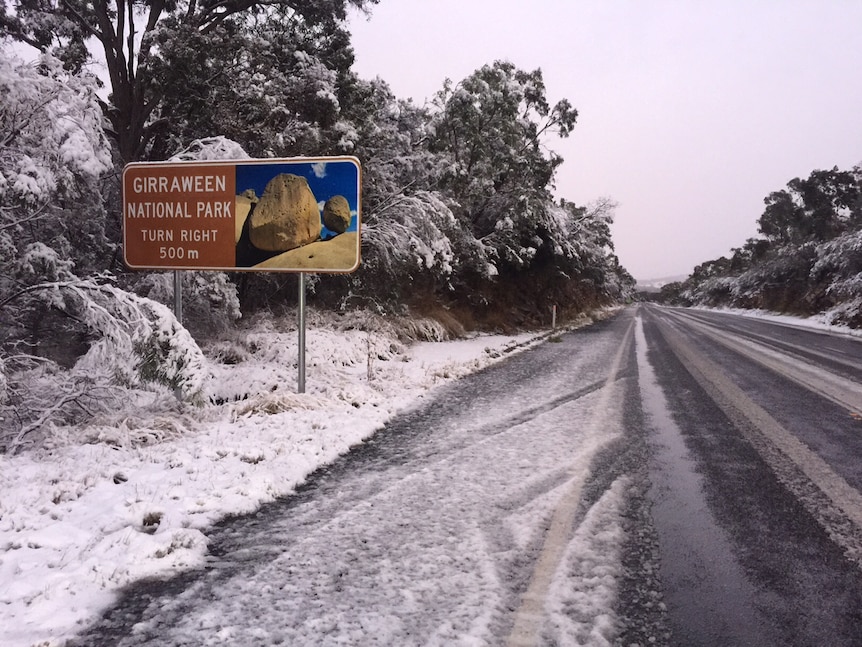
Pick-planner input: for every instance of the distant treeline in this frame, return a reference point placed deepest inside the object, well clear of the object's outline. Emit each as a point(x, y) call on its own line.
point(807, 259)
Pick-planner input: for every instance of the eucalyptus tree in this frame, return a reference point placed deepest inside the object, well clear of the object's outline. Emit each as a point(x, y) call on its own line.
point(492, 127)
point(818, 208)
point(152, 48)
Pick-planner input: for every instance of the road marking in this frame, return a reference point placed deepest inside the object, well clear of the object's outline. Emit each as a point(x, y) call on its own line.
point(843, 392)
point(800, 350)
point(530, 615)
point(734, 402)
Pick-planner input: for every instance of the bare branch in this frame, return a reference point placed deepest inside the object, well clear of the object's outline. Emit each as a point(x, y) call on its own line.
point(41, 212)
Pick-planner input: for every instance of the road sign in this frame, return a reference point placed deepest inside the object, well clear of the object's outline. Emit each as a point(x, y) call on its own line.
point(276, 215)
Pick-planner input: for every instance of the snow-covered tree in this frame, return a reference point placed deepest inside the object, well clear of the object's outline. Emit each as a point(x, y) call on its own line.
point(491, 128)
point(52, 149)
point(271, 82)
point(146, 66)
point(69, 337)
point(818, 208)
point(53, 154)
point(581, 236)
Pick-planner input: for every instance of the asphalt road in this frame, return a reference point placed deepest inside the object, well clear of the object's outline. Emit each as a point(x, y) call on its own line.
point(766, 423)
point(666, 477)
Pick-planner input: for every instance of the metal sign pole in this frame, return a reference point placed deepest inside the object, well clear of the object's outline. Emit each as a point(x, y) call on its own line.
point(178, 296)
point(301, 363)
point(178, 313)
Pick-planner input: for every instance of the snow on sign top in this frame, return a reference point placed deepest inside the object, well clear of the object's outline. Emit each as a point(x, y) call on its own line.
point(274, 215)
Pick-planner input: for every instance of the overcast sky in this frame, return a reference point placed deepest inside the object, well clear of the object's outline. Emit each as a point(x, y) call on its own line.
point(690, 111)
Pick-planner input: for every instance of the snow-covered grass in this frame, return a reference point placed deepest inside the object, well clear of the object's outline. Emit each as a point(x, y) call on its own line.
point(132, 493)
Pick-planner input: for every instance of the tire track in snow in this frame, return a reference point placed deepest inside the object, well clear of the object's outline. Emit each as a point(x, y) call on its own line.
point(530, 615)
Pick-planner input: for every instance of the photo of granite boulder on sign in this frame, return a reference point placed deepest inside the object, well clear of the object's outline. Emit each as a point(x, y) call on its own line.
point(285, 228)
point(336, 214)
point(286, 216)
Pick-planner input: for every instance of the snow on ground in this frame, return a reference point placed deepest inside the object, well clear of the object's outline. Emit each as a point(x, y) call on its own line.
point(131, 495)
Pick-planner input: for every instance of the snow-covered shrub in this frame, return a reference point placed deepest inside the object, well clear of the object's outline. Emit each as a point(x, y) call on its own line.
point(135, 343)
point(847, 313)
point(713, 291)
point(38, 263)
point(847, 289)
point(40, 395)
point(412, 244)
point(411, 234)
point(407, 328)
point(839, 263)
point(139, 340)
point(210, 300)
point(211, 148)
point(423, 329)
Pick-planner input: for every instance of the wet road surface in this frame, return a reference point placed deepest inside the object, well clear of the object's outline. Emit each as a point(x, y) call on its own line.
point(768, 454)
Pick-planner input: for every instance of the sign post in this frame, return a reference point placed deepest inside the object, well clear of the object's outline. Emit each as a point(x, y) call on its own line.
point(178, 296)
point(300, 215)
point(301, 325)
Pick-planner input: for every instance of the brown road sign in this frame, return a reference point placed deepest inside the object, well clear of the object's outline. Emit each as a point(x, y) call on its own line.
point(280, 215)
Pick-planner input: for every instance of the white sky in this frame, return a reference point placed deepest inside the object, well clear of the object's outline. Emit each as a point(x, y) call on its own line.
point(691, 113)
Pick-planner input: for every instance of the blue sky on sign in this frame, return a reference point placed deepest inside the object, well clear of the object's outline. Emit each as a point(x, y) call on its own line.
point(326, 178)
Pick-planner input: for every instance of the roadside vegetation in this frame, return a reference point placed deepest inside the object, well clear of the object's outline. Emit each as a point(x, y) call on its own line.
point(806, 261)
point(459, 225)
